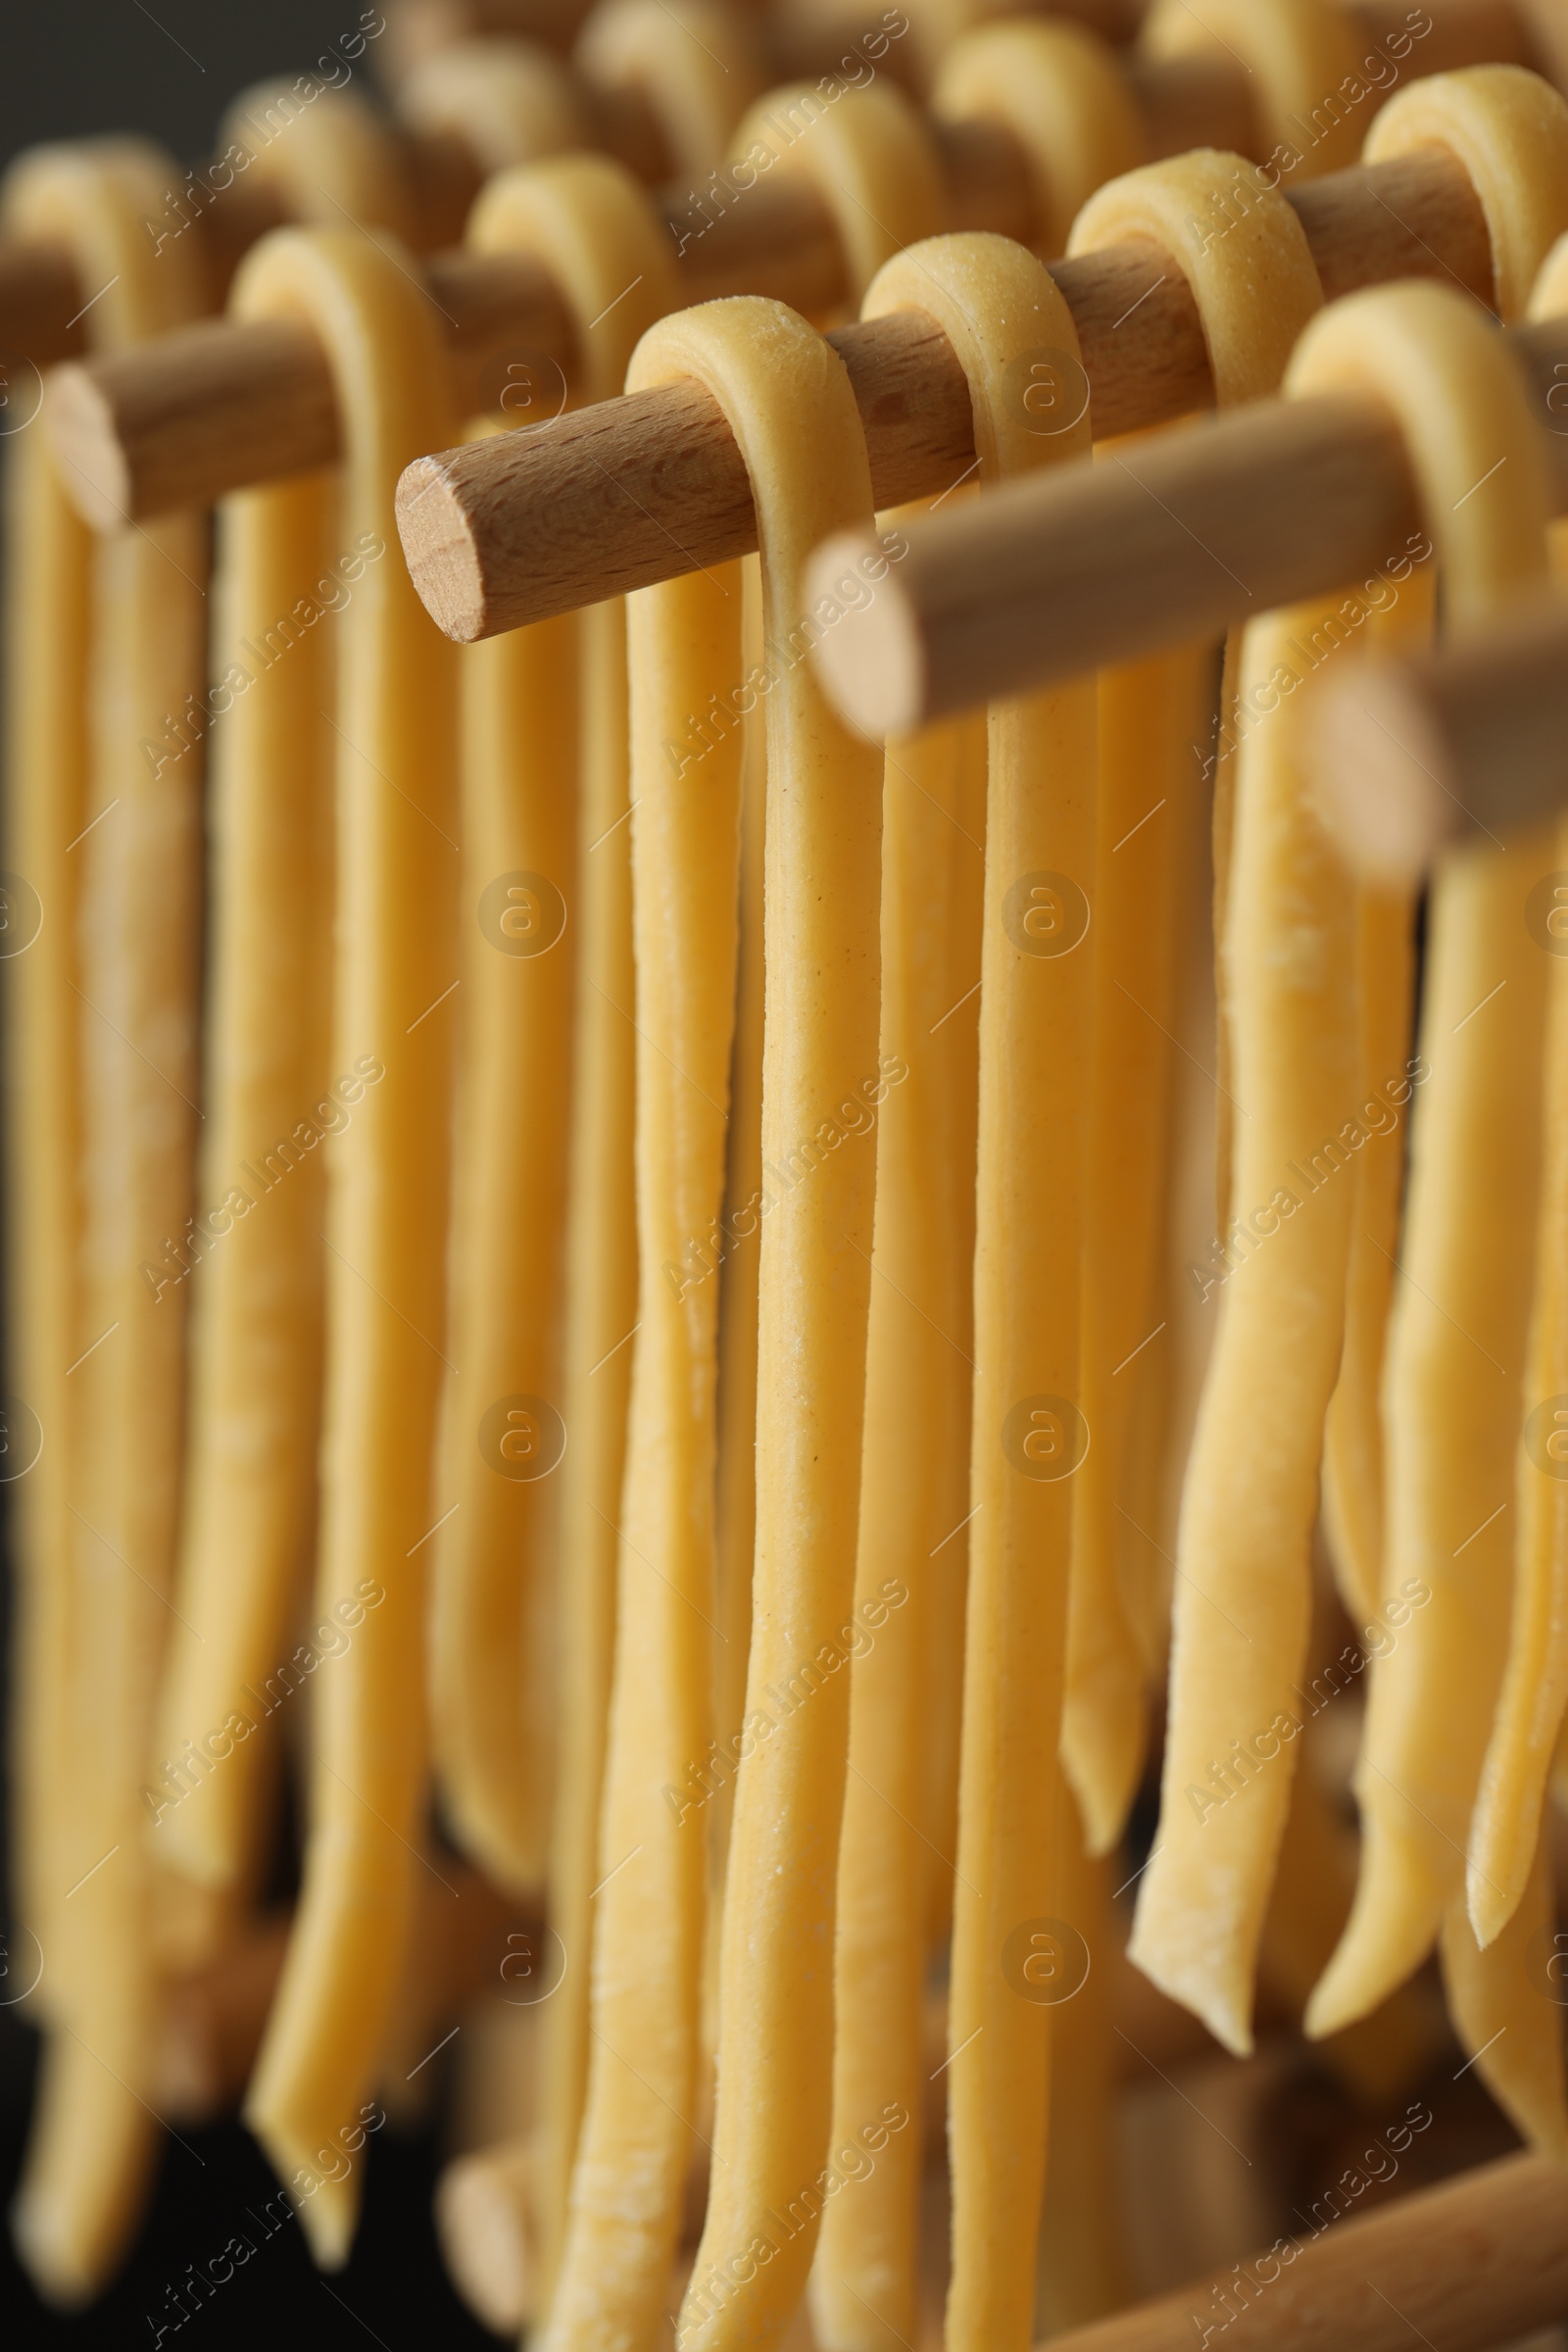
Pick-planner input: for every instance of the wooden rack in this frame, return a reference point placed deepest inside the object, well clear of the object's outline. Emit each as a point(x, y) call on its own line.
point(1415, 754)
point(1467, 2267)
point(1087, 567)
point(221, 406)
point(647, 487)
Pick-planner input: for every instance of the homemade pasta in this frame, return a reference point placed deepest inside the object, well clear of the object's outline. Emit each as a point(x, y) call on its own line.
point(105, 667)
point(629, 1361)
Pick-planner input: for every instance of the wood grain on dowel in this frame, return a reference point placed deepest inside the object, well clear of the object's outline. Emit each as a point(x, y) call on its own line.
point(210, 413)
point(1425, 750)
point(1477, 2262)
point(632, 491)
point(1283, 501)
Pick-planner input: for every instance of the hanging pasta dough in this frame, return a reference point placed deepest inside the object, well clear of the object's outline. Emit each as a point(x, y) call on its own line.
point(394, 946)
point(105, 815)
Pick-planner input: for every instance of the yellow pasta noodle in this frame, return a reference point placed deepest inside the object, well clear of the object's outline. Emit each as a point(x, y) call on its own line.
point(872, 159)
point(695, 64)
point(785, 394)
point(1062, 94)
point(1254, 287)
point(328, 157)
point(1028, 1432)
point(254, 1260)
point(509, 101)
point(105, 789)
point(395, 737)
point(492, 1670)
point(1530, 1708)
point(1456, 1344)
point(601, 1314)
point(1312, 103)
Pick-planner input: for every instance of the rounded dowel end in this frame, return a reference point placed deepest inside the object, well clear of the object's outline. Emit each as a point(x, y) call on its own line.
point(871, 664)
point(441, 550)
point(1383, 778)
point(82, 434)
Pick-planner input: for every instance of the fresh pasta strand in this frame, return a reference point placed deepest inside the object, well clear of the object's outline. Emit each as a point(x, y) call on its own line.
point(272, 1097)
point(112, 782)
point(255, 1259)
point(1451, 1431)
point(1352, 1437)
point(492, 1664)
point(877, 170)
point(906, 1634)
point(330, 159)
point(510, 101)
point(1452, 1440)
point(1508, 1816)
point(696, 64)
point(1300, 55)
point(786, 393)
point(601, 1313)
point(1297, 1066)
point(1028, 1434)
point(1256, 288)
point(1082, 2262)
point(1150, 715)
point(599, 233)
point(386, 1223)
point(632, 2157)
point(1064, 97)
point(659, 1707)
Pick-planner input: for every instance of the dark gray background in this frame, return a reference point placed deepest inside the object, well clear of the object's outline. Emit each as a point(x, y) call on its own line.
point(166, 68)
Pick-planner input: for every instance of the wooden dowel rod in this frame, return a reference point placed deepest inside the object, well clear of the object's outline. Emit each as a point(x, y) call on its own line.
point(1475, 2263)
point(1413, 753)
point(1094, 566)
point(507, 531)
point(220, 406)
